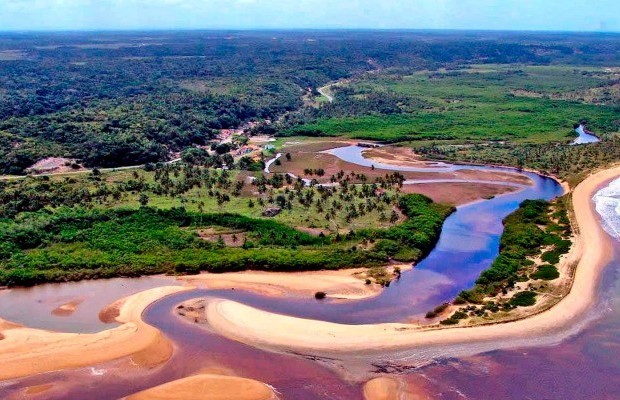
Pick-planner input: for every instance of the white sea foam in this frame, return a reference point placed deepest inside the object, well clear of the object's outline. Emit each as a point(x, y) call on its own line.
point(97, 372)
point(607, 202)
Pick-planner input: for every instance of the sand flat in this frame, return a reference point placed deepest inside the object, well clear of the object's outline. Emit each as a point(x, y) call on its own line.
point(458, 193)
point(26, 351)
point(208, 387)
point(390, 388)
point(345, 284)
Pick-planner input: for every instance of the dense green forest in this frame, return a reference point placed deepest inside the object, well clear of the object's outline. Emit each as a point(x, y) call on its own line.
point(78, 243)
point(111, 99)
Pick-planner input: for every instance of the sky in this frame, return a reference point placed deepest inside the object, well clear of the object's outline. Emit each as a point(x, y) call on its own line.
point(555, 15)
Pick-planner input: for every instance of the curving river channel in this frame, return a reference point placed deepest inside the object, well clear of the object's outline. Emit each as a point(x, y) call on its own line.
point(468, 244)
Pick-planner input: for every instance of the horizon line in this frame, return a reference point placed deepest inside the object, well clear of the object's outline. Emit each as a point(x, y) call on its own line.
point(300, 29)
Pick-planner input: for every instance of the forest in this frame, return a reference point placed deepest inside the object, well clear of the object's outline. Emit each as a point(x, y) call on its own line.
point(113, 99)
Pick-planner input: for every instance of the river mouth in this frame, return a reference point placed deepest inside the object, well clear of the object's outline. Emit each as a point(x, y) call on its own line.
point(468, 244)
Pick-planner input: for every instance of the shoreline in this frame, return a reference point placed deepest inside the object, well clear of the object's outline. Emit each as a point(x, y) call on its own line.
point(345, 284)
point(27, 351)
point(252, 326)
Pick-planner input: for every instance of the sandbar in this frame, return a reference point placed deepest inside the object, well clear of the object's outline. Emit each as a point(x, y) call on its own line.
point(208, 387)
point(342, 284)
point(26, 351)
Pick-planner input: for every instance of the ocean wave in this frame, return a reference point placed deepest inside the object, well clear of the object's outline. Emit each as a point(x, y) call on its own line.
point(607, 201)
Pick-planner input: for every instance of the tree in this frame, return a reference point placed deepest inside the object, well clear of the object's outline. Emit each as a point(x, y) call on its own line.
point(143, 199)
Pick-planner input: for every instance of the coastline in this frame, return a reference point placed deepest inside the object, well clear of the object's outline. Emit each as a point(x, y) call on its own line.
point(27, 351)
point(252, 326)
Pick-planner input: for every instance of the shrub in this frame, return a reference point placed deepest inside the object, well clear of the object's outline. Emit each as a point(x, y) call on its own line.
point(437, 310)
point(454, 319)
point(523, 299)
point(187, 269)
point(546, 272)
point(551, 257)
point(320, 295)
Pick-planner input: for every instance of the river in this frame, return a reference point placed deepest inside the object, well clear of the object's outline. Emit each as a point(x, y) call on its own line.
point(468, 244)
point(585, 136)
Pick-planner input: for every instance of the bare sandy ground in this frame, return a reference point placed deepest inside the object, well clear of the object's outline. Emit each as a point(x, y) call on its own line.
point(388, 388)
point(398, 156)
point(256, 327)
point(54, 164)
point(460, 193)
point(208, 387)
point(26, 351)
point(312, 155)
point(343, 284)
point(393, 388)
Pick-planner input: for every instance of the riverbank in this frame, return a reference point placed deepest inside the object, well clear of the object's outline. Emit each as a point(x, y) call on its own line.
point(26, 351)
point(257, 327)
point(340, 284)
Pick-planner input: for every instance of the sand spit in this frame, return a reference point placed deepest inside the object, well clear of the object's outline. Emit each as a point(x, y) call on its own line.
point(256, 327)
point(26, 351)
point(208, 387)
point(343, 284)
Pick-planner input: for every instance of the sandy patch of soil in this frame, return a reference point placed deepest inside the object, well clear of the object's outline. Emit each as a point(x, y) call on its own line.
point(67, 309)
point(232, 239)
point(54, 164)
point(349, 283)
point(208, 387)
point(458, 193)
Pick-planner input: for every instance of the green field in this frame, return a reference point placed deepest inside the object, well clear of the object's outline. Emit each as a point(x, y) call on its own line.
point(516, 103)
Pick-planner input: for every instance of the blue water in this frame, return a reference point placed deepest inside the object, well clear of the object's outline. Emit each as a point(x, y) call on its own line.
point(584, 137)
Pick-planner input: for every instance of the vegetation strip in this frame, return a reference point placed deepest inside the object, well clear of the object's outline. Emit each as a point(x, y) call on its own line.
point(535, 237)
point(74, 244)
